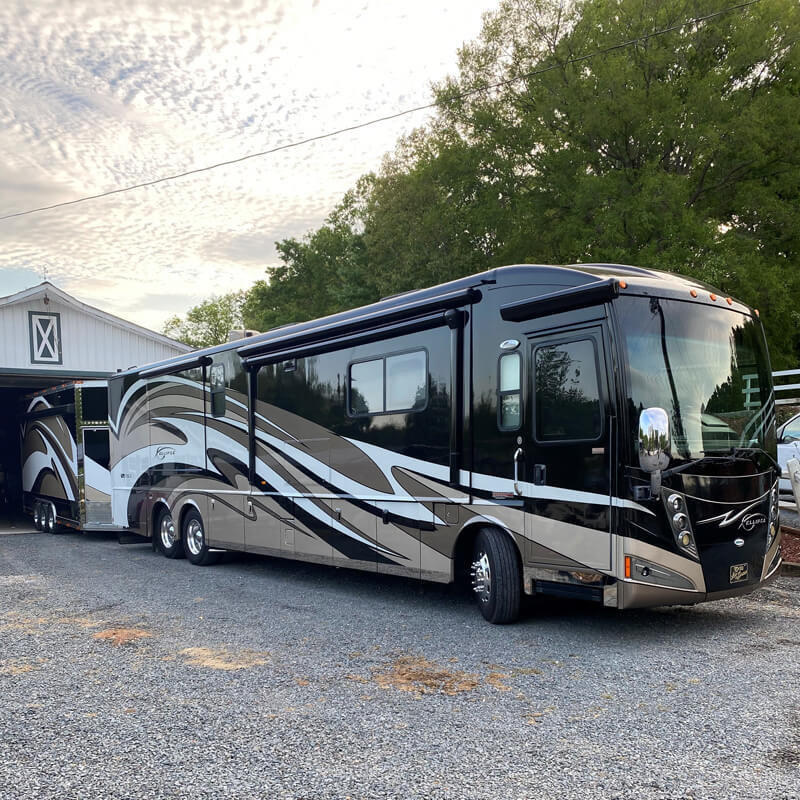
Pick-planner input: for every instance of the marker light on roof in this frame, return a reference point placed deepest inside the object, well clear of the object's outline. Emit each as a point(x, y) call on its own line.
point(623, 285)
point(693, 292)
point(729, 301)
point(713, 296)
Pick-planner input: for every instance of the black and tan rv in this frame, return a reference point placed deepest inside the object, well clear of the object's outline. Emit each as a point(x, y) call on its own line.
point(65, 457)
point(596, 431)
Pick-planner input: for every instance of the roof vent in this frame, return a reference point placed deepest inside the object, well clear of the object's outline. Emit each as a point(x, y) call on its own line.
point(245, 333)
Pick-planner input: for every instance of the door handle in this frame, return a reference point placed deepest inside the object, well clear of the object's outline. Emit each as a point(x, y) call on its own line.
point(518, 454)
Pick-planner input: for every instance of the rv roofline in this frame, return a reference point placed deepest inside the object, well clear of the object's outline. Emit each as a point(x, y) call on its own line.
point(544, 275)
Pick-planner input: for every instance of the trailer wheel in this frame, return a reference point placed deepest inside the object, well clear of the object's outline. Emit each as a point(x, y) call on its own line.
point(168, 539)
point(496, 576)
point(194, 540)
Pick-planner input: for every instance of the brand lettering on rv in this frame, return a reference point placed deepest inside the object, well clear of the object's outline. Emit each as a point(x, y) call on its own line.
point(750, 521)
point(164, 453)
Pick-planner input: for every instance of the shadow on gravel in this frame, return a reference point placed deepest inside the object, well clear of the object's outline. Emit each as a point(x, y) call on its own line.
point(408, 596)
point(538, 612)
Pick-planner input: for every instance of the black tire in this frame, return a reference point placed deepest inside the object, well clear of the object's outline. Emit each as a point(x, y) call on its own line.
point(37, 516)
point(496, 578)
point(50, 519)
point(167, 537)
point(194, 540)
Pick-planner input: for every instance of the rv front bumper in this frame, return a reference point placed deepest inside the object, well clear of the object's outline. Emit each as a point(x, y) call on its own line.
point(635, 594)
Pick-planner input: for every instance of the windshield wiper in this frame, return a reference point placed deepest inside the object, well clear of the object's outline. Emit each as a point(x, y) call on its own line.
point(696, 462)
point(733, 455)
point(746, 453)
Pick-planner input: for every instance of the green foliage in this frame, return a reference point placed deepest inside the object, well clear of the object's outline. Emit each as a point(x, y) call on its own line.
point(678, 153)
point(209, 322)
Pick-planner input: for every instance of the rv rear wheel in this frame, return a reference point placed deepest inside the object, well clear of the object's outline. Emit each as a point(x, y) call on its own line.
point(194, 540)
point(50, 523)
point(38, 523)
point(496, 576)
point(168, 540)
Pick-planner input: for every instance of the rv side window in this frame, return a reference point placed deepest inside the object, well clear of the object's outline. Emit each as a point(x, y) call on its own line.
point(406, 381)
point(567, 392)
point(217, 382)
point(95, 446)
point(94, 404)
point(391, 384)
point(509, 392)
point(366, 387)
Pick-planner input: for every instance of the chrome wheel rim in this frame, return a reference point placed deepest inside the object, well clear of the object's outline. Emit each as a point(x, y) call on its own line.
point(482, 577)
point(194, 537)
point(167, 531)
point(51, 520)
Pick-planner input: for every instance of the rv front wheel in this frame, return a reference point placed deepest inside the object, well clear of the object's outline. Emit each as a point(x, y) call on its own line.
point(194, 540)
point(169, 540)
point(496, 576)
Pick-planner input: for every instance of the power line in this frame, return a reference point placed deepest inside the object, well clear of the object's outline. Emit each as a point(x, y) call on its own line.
point(388, 117)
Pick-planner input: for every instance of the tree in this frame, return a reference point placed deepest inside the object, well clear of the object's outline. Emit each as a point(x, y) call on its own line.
point(208, 323)
point(677, 152)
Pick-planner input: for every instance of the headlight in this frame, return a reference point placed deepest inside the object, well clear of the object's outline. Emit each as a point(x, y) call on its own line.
point(774, 516)
point(680, 523)
point(675, 503)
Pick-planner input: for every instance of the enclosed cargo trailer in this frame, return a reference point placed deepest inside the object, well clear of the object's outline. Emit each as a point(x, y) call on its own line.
point(65, 457)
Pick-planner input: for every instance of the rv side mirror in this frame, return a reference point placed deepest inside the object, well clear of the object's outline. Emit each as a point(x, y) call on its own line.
point(654, 445)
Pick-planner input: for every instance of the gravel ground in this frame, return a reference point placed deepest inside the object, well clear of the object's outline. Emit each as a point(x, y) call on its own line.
point(125, 675)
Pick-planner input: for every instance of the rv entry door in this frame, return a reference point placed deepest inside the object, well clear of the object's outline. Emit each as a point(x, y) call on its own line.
point(567, 449)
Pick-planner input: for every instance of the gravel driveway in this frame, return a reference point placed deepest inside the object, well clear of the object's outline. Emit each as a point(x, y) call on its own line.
point(125, 675)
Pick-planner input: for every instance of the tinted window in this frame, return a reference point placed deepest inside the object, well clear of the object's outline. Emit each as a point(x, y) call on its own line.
point(217, 384)
point(94, 404)
point(567, 393)
point(95, 446)
point(406, 381)
point(391, 384)
point(366, 387)
point(707, 367)
point(509, 391)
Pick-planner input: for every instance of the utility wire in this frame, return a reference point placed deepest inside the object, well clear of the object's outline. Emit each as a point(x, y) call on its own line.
point(378, 120)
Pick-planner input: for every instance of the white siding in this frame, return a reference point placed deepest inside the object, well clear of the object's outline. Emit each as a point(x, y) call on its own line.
point(88, 343)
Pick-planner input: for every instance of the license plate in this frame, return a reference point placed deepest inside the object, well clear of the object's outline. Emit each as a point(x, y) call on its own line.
point(738, 573)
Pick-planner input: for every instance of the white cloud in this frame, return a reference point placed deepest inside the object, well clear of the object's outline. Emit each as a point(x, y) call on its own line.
point(98, 96)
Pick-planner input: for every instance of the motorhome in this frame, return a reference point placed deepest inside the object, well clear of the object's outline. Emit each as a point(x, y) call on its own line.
point(595, 431)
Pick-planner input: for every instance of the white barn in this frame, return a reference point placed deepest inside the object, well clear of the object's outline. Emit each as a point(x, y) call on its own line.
point(47, 334)
point(47, 337)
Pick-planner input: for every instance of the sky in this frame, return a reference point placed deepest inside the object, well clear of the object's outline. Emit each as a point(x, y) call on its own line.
point(98, 94)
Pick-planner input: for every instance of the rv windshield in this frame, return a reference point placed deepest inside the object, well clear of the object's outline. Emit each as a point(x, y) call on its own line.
point(707, 367)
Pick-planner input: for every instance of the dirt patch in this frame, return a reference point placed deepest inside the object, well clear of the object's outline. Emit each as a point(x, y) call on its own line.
point(790, 546)
point(35, 625)
point(417, 674)
point(16, 622)
point(15, 669)
point(223, 659)
point(121, 636)
point(496, 679)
